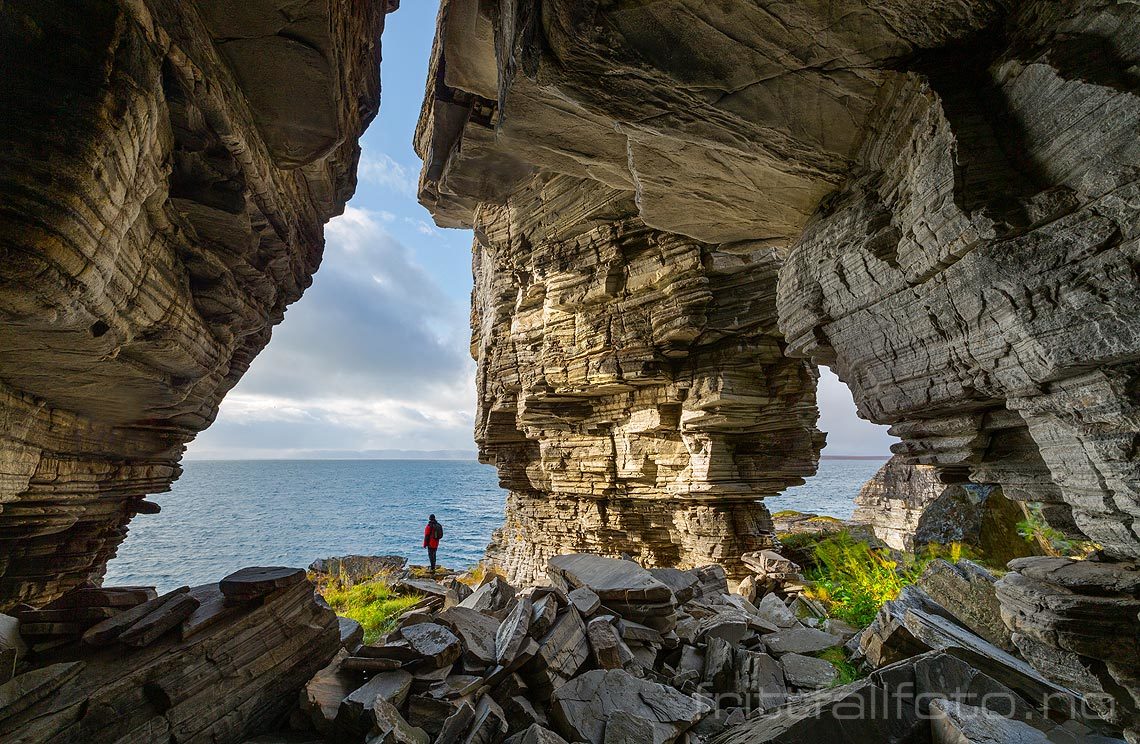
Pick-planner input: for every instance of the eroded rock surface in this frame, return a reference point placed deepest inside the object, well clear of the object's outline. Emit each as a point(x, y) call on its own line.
point(167, 168)
point(948, 193)
point(908, 172)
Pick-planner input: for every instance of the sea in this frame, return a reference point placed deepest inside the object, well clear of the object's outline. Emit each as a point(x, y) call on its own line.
point(222, 515)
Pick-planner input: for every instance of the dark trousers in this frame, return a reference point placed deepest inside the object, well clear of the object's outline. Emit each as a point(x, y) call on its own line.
point(431, 557)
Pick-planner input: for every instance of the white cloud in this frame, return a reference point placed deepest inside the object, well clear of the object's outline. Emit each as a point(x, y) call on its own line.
point(374, 356)
point(382, 170)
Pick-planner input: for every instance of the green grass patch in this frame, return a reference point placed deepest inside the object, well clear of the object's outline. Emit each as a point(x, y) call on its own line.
point(1035, 529)
point(372, 604)
point(848, 672)
point(853, 580)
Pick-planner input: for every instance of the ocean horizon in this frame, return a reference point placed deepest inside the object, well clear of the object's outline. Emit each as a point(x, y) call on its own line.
point(222, 515)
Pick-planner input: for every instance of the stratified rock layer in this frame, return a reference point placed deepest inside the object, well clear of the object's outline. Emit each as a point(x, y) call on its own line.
point(974, 281)
point(633, 388)
point(950, 194)
point(165, 172)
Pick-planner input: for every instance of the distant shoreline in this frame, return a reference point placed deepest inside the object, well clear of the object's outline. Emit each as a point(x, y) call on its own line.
point(427, 457)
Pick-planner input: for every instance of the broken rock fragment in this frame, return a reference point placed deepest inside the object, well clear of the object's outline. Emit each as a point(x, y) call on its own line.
point(583, 706)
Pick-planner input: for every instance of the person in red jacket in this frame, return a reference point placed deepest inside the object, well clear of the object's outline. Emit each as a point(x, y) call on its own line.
point(432, 534)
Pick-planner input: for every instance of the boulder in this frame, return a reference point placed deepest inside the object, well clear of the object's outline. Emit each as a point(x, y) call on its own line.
point(955, 723)
point(476, 630)
point(427, 587)
point(491, 598)
point(583, 706)
point(808, 672)
point(512, 632)
point(608, 649)
point(586, 601)
point(743, 678)
point(775, 611)
point(561, 652)
point(800, 641)
point(353, 569)
point(322, 695)
point(389, 727)
point(536, 735)
point(248, 584)
point(454, 727)
point(543, 615)
point(969, 589)
point(490, 725)
point(351, 632)
point(433, 643)
point(840, 714)
point(356, 714)
point(712, 581)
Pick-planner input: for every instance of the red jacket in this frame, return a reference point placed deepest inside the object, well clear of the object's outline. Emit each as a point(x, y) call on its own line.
point(430, 541)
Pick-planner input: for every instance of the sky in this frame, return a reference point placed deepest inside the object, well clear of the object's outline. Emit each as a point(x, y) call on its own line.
point(375, 355)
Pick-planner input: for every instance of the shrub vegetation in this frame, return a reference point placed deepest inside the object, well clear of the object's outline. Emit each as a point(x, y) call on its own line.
point(854, 579)
point(372, 604)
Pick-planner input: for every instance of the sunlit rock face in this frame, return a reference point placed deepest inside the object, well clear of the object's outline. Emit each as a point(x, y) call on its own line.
point(633, 390)
point(167, 168)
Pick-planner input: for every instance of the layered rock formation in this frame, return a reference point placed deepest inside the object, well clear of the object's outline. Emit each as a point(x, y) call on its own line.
point(974, 279)
point(909, 508)
point(949, 192)
point(633, 391)
point(217, 663)
point(166, 170)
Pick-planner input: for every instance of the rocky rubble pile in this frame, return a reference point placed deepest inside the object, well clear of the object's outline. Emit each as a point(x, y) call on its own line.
point(610, 652)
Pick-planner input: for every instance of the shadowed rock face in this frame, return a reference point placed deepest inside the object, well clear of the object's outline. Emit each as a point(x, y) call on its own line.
point(974, 281)
point(166, 170)
point(949, 195)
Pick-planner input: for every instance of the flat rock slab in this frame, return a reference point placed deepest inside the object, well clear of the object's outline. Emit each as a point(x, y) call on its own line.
point(211, 609)
point(683, 583)
point(609, 578)
point(800, 641)
point(434, 643)
point(954, 723)
point(476, 630)
point(422, 586)
point(808, 671)
point(20, 693)
point(583, 706)
point(256, 581)
point(586, 601)
point(370, 665)
point(162, 619)
point(124, 597)
point(109, 630)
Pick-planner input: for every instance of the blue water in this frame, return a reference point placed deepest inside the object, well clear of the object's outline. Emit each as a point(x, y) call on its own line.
point(225, 515)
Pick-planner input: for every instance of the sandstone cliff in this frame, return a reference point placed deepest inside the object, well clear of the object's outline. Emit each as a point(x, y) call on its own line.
point(165, 169)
